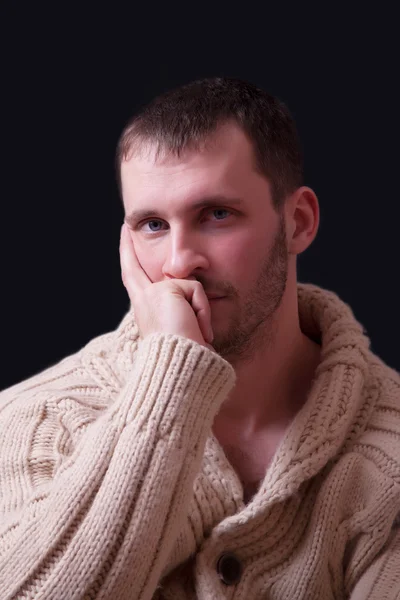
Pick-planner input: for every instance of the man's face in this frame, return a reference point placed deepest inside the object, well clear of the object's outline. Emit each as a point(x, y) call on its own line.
point(234, 244)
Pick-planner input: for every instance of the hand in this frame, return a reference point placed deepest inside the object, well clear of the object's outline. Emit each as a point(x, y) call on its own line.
point(177, 306)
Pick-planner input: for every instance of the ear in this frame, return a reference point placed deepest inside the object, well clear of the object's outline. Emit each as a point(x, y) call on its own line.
point(302, 219)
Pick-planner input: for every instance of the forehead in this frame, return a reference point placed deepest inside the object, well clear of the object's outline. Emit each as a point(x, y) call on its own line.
point(227, 156)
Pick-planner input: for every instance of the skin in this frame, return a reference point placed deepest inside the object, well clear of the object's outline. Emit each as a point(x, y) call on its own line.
point(245, 253)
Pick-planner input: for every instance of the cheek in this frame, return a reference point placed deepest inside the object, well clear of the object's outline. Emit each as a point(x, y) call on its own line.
point(238, 259)
point(150, 259)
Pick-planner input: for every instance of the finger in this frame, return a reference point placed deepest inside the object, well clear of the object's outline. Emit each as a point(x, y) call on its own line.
point(133, 274)
point(196, 296)
point(201, 307)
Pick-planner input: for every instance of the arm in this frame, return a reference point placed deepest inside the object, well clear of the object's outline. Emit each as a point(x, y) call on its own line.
point(105, 523)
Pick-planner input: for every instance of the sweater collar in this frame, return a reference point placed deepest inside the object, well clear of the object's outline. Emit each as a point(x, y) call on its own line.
point(336, 401)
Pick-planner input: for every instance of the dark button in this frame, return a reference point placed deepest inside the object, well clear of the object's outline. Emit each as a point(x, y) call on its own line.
point(229, 568)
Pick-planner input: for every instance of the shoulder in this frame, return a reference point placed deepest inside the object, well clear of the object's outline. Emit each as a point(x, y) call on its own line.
point(380, 441)
point(43, 417)
point(115, 348)
point(71, 392)
point(376, 434)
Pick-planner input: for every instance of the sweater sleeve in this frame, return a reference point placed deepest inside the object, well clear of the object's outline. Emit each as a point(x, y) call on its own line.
point(382, 578)
point(105, 521)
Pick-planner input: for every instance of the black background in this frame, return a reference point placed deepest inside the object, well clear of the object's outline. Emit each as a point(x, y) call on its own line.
point(71, 80)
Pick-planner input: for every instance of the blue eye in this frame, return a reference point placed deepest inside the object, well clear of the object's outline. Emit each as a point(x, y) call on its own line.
point(153, 222)
point(217, 211)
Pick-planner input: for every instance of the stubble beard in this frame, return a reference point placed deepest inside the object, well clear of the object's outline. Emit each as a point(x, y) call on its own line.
point(252, 326)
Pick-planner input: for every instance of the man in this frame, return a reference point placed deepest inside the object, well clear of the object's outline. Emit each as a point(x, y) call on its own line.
point(235, 437)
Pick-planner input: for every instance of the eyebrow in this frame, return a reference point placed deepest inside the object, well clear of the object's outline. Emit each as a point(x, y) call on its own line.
point(136, 216)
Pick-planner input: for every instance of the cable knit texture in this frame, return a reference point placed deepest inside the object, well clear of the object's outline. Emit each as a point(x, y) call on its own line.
point(112, 485)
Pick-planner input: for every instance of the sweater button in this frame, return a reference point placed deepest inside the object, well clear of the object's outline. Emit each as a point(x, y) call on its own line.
point(229, 568)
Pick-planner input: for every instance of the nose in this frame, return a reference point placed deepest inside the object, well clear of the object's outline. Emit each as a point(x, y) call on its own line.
point(184, 256)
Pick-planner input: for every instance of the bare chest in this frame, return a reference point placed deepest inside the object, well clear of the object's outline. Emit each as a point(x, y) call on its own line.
point(250, 458)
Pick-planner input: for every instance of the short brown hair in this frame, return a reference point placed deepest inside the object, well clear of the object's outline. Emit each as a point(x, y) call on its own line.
point(184, 117)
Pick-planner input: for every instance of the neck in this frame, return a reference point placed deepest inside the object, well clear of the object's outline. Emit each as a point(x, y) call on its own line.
point(273, 384)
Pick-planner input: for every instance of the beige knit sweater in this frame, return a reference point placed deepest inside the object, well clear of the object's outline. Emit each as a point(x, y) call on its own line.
point(112, 485)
